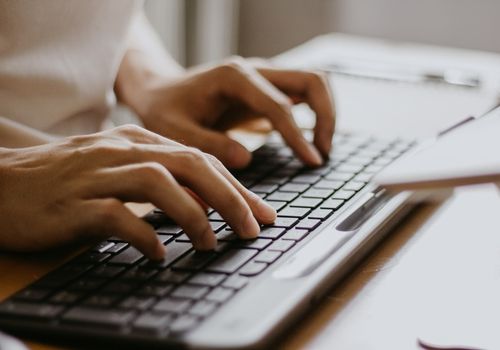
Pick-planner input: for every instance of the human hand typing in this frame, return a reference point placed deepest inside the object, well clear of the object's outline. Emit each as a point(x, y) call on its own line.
point(76, 188)
point(193, 108)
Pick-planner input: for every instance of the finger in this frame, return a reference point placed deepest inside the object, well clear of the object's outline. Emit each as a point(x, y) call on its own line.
point(314, 89)
point(262, 211)
point(109, 217)
point(192, 168)
point(151, 182)
point(230, 152)
point(262, 97)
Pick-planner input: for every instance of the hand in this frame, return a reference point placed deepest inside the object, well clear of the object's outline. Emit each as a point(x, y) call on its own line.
point(59, 192)
point(190, 108)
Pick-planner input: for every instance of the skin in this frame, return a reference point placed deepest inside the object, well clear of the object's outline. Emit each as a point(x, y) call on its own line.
point(78, 186)
point(75, 188)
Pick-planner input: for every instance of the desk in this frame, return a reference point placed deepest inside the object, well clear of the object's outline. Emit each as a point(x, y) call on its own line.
point(435, 278)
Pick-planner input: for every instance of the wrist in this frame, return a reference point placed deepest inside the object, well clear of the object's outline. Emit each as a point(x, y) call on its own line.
point(138, 78)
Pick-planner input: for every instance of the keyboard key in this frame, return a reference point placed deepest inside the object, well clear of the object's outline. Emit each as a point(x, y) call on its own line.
point(337, 176)
point(127, 257)
point(87, 283)
point(306, 202)
point(214, 216)
point(183, 323)
point(306, 178)
point(276, 205)
point(100, 300)
point(103, 246)
point(332, 203)
point(169, 229)
point(219, 295)
point(295, 234)
point(154, 290)
point(152, 323)
point(91, 258)
point(329, 184)
point(173, 305)
point(217, 225)
point(321, 214)
point(110, 318)
point(227, 235)
point(32, 294)
point(170, 276)
point(118, 247)
point(190, 292)
point(202, 308)
point(354, 186)
point(343, 194)
point(252, 268)
point(24, 309)
point(235, 282)
point(119, 287)
point(232, 260)
point(318, 193)
point(259, 243)
point(267, 256)
point(207, 279)
point(139, 274)
point(281, 245)
point(194, 260)
point(105, 271)
point(294, 187)
point(282, 196)
point(263, 188)
point(284, 222)
point(309, 224)
point(294, 212)
point(271, 232)
point(66, 297)
point(137, 302)
point(62, 276)
point(174, 251)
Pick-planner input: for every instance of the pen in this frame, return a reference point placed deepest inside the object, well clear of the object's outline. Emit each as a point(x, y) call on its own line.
point(450, 77)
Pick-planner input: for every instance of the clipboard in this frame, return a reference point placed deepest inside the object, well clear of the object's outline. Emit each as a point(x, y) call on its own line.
point(465, 154)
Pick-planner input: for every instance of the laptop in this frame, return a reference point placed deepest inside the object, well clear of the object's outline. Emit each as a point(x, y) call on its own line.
point(245, 293)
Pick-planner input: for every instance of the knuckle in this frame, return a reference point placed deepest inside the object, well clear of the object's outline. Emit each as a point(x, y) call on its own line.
point(213, 160)
point(193, 157)
point(130, 129)
point(153, 172)
point(318, 78)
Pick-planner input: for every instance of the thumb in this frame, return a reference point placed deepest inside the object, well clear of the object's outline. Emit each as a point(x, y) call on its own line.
point(230, 152)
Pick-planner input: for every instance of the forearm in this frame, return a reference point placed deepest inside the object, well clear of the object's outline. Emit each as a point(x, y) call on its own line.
point(15, 135)
point(145, 62)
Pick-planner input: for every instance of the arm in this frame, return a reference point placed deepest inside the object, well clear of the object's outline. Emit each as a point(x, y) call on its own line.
point(14, 135)
point(145, 62)
point(196, 107)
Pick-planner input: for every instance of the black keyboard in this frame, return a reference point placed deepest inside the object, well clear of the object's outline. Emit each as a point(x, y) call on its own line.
point(113, 287)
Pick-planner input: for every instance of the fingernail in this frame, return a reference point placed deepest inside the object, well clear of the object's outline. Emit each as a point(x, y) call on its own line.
point(207, 240)
point(316, 158)
point(160, 251)
point(250, 228)
point(265, 212)
point(238, 156)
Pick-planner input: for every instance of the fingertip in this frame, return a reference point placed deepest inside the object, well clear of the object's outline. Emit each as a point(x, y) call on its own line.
point(266, 213)
point(250, 228)
point(315, 158)
point(237, 156)
point(207, 241)
point(160, 252)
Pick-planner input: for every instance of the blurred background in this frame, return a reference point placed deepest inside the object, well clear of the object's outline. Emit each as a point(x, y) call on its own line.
point(197, 31)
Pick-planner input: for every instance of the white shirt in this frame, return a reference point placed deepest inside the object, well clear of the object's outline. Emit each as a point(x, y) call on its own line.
point(59, 60)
